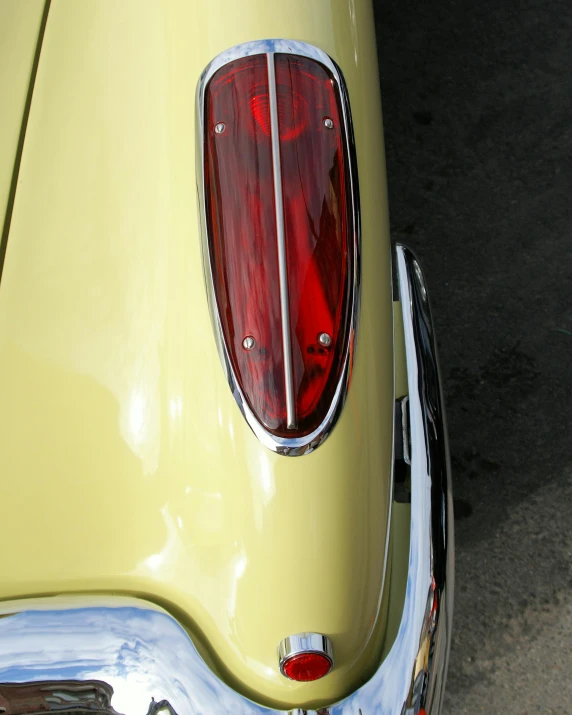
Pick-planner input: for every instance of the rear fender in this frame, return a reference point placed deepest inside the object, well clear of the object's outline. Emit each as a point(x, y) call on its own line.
point(51, 640)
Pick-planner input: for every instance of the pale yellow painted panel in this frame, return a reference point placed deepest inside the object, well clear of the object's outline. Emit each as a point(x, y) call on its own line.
point(126, 464)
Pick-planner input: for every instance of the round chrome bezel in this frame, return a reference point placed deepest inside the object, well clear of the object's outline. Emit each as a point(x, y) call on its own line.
point(287, 446)
point(303, 643)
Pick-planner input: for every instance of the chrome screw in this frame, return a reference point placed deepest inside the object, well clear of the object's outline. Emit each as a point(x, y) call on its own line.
point(325, 339)
point(249, 342)
point(220, 127)
point(328, 123)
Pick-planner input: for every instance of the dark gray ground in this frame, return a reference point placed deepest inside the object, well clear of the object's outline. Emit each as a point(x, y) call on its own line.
point(477, 103)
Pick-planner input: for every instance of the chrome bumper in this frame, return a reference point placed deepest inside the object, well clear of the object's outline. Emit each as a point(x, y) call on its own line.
point(125, 655)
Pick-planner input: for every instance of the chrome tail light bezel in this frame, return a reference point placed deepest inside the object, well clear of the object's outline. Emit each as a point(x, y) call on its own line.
point(296, 445)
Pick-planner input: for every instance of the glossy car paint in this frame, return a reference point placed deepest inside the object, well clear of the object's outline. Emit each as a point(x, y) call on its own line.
point(126, 464)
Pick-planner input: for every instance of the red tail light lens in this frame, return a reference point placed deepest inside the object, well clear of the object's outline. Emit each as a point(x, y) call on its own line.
point(281, 237)
point(315, 214)
point(241, 218)
point(306, 667)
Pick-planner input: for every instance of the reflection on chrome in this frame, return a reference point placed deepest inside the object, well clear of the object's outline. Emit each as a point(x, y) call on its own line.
point(66, 696)
point(163, 707)
point(61, 695)
point(127, 656)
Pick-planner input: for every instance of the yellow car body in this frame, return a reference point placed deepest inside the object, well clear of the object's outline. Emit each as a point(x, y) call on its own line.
point(127, 467)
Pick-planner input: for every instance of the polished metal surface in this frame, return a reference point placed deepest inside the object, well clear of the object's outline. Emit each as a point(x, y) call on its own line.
point(281, 244)
point(305, 643)
point(220, 127)
point(289, 446)
point(249, 342)
point(325, 340)
point(139, 657)
point(405, 430)
point(328, 123)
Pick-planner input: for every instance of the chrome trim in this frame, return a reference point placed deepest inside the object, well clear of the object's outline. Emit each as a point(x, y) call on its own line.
point(281, 241)
point(290, 446)
point(304, 643)
point(405, 430)
point(141, 652)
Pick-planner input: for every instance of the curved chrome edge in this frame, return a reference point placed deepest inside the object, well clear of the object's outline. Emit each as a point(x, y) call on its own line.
point(83, 646)
point(304, 643)
point(292, 447)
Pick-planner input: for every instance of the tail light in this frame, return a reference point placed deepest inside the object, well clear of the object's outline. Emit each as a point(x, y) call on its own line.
point(280, 203)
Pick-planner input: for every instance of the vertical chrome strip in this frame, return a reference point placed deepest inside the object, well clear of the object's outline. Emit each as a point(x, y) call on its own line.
point(281, 241)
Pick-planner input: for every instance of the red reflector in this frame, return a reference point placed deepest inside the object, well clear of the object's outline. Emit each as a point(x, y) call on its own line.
point(305, 667)
point(282, 257)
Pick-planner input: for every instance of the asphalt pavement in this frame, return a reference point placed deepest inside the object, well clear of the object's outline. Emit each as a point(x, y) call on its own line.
point(477, 100)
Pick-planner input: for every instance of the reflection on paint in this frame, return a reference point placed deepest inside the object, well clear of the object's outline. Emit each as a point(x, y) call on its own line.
point(175, 407)
point(137, 417)
point(165, 559)
point(238, 567)
point(266, 477)
point(140, 424)
point(264, 489)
